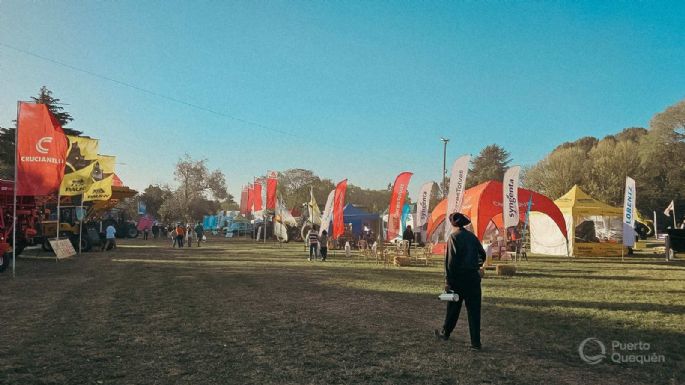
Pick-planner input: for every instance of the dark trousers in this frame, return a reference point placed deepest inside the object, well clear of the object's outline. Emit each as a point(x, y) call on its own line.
point(145, 235)
point(324, 253)
point(467, 285)
point(312, 249)
point(179, 240)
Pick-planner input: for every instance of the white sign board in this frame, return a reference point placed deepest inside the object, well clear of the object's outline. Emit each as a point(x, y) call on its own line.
point(62, 248)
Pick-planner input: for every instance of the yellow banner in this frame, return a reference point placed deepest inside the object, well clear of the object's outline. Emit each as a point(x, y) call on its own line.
point(107, 163)
point(100, 190)
point(81, 152)
point(75, 183)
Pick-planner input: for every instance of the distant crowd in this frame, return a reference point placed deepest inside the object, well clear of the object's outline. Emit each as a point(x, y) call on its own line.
point(179, 234)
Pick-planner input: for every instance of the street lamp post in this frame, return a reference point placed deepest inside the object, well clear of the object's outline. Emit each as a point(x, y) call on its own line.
point(444, 167)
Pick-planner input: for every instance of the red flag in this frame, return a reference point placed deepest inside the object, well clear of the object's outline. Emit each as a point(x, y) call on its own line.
point(41, 151)
point(257, 195)
point(243, 201)
point(338, 205)
point(250, 198)
point(271, 184)
point(399, 192)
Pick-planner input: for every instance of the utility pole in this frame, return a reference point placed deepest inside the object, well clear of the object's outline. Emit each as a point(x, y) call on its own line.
point(444, 167)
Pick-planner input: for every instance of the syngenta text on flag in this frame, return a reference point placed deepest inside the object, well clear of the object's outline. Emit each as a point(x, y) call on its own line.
point(422, 206)
point(629, 213)
point(457, 187)
point(510, 201)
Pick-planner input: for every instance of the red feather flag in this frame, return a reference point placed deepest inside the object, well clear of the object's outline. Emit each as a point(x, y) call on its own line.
point(41, 151)
point(257, 197)
point(271, 183)
point(338, 205)
point(243, 201)
point(250, 198)
point(399, 193)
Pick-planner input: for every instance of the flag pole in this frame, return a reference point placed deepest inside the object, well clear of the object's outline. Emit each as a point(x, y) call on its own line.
point(674, 225)
point(656, 232)
point(264, 207)
point(80, 227)
point(58, 206)
point(14, 217)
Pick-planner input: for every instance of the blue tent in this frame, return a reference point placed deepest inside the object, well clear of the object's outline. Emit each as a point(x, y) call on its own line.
point(358, 217)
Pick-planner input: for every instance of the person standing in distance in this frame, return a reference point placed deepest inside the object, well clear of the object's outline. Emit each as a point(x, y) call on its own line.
point(464, 260)
point(313, 237)
point(110, 235)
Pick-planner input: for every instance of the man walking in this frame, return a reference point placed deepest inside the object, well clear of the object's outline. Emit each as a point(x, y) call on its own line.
point(110, 235)
point(199, 232)
point(464, 259)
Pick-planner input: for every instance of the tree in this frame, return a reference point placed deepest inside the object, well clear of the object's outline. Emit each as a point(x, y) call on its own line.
point(610, 161)
point(196, 183)
point(557, 172)
point(154, 197)
point(662, 155)
point(55, 106)
point(489, 164)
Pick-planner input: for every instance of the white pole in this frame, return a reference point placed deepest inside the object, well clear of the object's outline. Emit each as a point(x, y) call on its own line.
point(656, 232)
point(80, 227)
point(58, 204)
point(674, 225)
point(14, 218)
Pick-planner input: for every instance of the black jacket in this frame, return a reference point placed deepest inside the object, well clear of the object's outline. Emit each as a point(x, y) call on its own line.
point(408, 235)
point(464, 253)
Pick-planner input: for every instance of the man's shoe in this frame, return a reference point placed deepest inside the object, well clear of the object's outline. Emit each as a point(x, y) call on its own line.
point(475, 348)
point(440, 335)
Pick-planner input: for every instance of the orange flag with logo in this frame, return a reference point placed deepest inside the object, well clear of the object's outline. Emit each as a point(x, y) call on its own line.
point(41, 151)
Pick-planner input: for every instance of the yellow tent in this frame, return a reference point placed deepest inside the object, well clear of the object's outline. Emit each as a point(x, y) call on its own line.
point(594, 228)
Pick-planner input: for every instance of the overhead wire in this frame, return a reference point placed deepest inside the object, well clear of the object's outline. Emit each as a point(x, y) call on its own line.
point(177, 100)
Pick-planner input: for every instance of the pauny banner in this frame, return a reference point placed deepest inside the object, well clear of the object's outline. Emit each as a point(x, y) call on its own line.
point(338, 206)
point(399, 193)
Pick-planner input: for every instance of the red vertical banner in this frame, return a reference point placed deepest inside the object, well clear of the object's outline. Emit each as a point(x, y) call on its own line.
point(250, 198)
point(243, 201)
point(338, 205)
point(258, 195)
point(271, 184)
point(41, 151)
point(399, 193)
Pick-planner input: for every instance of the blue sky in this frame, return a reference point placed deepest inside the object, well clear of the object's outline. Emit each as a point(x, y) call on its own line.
point(357, 90)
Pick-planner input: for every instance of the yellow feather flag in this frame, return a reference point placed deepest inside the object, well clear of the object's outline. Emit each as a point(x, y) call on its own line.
point(76, 182)
point(80, 152)
point(107, 163)
point(100, 190)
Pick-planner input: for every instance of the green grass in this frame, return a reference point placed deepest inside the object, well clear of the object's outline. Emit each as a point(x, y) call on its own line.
point(238, 312)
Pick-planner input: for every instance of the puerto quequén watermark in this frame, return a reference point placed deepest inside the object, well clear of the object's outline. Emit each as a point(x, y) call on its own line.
point(593, 351)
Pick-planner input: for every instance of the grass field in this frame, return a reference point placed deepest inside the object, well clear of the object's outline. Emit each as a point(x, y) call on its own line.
point(236, 312)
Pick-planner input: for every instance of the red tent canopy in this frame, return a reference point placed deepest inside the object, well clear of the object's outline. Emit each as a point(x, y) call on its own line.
point(483, 203)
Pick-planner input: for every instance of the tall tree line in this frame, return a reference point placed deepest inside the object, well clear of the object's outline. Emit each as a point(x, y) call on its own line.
point(654, 157)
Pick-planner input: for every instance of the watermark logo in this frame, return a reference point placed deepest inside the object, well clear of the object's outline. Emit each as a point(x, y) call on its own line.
point(593, 359)
point(593, 351)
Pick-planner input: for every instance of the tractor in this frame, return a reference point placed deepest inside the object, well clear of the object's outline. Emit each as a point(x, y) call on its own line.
point(28, 217)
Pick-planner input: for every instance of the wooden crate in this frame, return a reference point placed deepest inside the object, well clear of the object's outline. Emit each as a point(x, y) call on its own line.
point(402, 261)
point(506, 270)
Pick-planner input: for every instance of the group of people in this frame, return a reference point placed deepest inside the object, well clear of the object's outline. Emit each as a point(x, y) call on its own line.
point(318, 244)
point(183, 234)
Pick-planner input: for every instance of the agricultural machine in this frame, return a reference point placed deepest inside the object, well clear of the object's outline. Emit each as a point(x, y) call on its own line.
point(37, 221)
point(27, 222)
